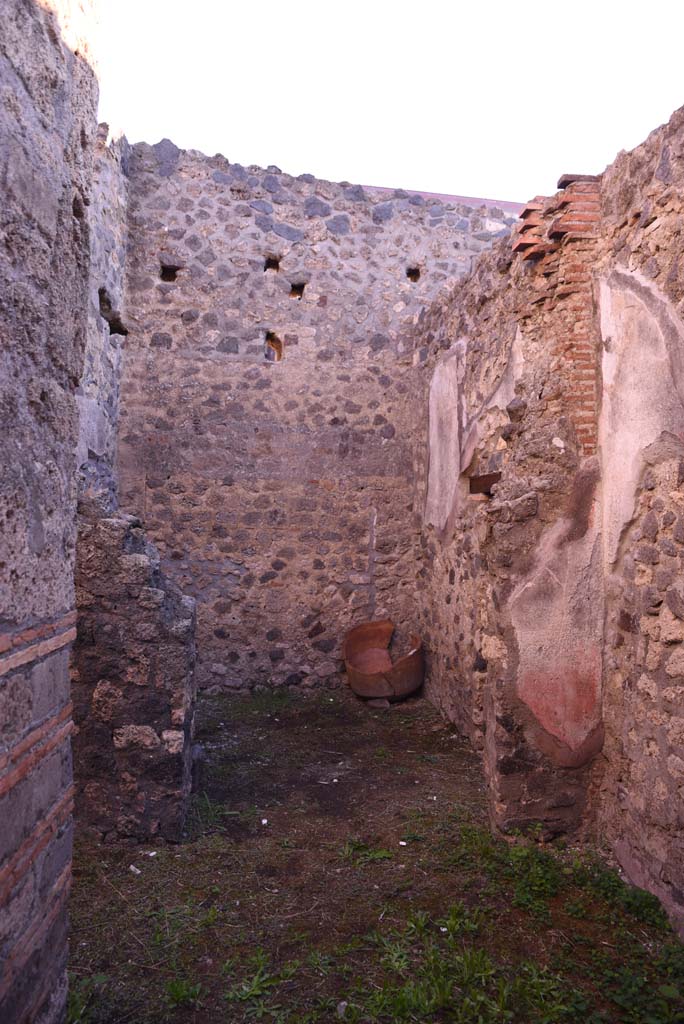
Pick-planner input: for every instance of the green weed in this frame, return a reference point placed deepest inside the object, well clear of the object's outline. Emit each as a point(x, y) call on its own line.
point(395, 957)
point(83, 993)
point(181, 992)
point(320, 963)
point(360, 853)
point(460, 921)
point(262, 981)
point(208, 815)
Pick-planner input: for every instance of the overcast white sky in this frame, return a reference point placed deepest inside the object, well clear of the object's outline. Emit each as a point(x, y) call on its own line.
point(483, 98)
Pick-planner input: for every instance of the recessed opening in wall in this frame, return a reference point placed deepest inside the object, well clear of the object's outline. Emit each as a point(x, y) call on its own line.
point(273, 347)
point(413, 273)
point(168, 272)
point(297, 289)
point(272, 263)
point(483, 484)
point(112, 316)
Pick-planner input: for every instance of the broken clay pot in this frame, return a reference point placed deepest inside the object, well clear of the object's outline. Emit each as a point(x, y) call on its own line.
point(370, 671)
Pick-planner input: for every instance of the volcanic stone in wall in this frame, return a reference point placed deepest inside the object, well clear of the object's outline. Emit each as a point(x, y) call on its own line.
point(98, 390)
point(267, 415)
point(506, 554)
point(134, 659)
point(641, 804)
point(47, 123)
point(132, 683)
point(550, 601)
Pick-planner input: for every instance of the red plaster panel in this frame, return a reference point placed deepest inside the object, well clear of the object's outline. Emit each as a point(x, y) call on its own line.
point(565, 697)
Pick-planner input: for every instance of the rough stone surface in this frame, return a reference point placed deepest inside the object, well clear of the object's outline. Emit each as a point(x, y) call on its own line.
point(47, 119)
point(503, 578)
point(640, 793)
point(551, 601)
point(133, 662)
point(133, 691)
point(98, 390)
point(277, 489)
point(319, 419)
point(309, 448)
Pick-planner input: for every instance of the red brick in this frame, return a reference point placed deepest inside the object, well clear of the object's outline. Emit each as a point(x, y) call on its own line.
point(31, 848)
point(38, 650)
point(31, 939)
point(26, 764)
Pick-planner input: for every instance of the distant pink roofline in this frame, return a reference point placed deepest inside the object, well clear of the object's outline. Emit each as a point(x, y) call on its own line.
point(502, 204)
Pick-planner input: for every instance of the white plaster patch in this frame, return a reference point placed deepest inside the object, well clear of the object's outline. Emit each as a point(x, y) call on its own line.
point(640, 396)
point(454, 432)
point(444, 437)
point(557, 614)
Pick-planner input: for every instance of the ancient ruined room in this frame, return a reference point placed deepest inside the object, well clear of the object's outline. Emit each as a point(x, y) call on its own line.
point(245, 412)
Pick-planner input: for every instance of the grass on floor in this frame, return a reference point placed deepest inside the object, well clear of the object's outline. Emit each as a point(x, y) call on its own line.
point(320, 882)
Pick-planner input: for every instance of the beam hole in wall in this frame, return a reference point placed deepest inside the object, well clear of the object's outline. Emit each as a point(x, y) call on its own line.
point(413, 274)
point(168, 272)
point(272, 263)
point(112, 316)
point(273, 347)
point(483, 484)
point(297, 289)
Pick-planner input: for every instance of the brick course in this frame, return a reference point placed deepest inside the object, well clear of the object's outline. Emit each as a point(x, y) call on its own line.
point(47, 127)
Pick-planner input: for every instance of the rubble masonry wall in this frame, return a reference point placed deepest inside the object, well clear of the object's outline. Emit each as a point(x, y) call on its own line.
point(47, 123)
point(553, 604)
point(133, 662)
point(267, 416)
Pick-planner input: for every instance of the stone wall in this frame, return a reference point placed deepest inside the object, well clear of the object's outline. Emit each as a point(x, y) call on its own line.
point(321, 423)
point(133, 682)
point(267, 416)
point(640, 280)
point(47, 120)
point(551, 478)
point(508, 578)
point(98, 390)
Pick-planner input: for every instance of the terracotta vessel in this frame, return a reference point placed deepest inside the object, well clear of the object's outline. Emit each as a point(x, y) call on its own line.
point(370, 671)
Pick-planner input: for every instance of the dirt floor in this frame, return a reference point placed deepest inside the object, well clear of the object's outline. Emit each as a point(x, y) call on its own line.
point(339, 867)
